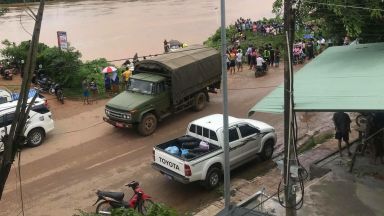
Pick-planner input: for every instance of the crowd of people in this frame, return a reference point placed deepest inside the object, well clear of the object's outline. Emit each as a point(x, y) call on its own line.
point(264, 28)
point(261, 58)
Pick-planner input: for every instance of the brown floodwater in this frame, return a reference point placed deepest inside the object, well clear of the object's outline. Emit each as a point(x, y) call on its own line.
point(116, 29)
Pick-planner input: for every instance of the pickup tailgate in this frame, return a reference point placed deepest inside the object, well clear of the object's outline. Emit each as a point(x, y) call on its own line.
point(169, 161)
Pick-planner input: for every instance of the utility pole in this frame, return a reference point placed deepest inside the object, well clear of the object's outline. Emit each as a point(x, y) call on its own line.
point(226, 168)
point(15, 136)
point(289, 192)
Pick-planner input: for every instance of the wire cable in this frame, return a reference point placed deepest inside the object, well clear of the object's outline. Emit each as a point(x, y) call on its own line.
point(343, 6)
point(21, 24)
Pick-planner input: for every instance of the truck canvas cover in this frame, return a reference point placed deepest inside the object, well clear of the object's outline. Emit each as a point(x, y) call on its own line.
point(189, 69)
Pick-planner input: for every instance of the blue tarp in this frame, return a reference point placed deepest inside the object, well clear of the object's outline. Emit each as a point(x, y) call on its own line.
point(31, 93)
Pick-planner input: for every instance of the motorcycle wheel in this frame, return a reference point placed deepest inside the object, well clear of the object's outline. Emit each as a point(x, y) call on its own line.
point(145, 206)
point(103, 208)
point(51, 91)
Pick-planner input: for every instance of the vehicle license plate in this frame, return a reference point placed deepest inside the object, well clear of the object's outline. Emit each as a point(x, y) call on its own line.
point(118, 124)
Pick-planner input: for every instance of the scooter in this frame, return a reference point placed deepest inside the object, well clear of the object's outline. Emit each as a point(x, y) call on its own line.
point(261, 71)
point(111, 200)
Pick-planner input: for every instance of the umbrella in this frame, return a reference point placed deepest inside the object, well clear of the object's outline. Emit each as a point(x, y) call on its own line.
point(308, 36)
point(109, 69)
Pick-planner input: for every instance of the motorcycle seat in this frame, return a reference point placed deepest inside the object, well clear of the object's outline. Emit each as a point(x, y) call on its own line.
point(114, 195)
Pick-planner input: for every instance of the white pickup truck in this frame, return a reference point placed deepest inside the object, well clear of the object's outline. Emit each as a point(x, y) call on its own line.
point(247, 139)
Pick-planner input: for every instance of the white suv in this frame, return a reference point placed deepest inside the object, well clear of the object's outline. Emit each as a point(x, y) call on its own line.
point(39, 123)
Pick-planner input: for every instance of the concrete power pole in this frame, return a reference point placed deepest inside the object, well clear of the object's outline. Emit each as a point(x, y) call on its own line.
point(15, 136)
point(289, 194)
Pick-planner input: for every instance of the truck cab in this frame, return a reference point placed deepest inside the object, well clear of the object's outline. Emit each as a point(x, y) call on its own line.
point(146, 98)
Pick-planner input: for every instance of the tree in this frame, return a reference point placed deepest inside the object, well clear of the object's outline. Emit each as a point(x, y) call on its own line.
point(338, 18)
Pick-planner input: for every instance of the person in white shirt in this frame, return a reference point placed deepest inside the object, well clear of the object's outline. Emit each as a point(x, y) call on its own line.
point(259, 61)
point(239, 60)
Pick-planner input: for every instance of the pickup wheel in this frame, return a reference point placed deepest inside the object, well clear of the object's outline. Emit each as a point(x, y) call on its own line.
point(213, 178)
point(35, 137)
point(148, 124)
point(200, 101)
point(267, 152)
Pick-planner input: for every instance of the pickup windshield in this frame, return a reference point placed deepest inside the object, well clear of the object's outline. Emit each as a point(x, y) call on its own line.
point(141, 86)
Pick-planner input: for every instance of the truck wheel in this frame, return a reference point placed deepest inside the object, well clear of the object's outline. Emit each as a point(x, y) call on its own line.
point(200, 101)
point(267, 152)
point(148, 124)
point(213, 178)
point(35, 137)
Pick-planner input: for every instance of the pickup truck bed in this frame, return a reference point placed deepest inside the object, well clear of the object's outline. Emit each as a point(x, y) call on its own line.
point(190, 143)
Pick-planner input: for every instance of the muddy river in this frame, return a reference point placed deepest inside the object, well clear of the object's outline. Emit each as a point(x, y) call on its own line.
point(116, 29)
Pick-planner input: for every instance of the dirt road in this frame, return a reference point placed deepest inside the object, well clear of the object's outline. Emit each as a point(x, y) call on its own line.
point(84, 154)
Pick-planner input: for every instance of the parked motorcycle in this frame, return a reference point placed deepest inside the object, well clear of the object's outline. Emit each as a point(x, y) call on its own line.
point(7, 74)
point(45, 84)
point(58, 91)
point(111, 200)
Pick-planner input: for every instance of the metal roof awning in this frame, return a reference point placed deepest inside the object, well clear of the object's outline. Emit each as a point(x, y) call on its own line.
point(347, 78)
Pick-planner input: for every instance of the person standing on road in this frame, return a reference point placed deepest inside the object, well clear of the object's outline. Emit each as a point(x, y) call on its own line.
point(94, 89)
point(342, 124)
point(85, 87)
point(277, 57)
point(232, 62)
point(239, 60)
point(126, 74)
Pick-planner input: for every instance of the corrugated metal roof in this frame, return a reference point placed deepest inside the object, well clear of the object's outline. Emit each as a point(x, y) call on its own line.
point(348, 78)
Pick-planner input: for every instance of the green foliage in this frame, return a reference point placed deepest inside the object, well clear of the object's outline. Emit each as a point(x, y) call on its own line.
point(159, 209)
point(257, 40)
point(63, 66)
point(338, 18)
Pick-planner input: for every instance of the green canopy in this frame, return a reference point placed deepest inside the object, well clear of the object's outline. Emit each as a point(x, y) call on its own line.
point(346, 78)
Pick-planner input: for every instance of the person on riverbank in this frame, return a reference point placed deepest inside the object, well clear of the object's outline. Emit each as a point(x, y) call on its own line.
point(272, 56)
point(253, 59)
point(115, 85)
point(342, 124)
point(239, 60)
point(107, 83)
point(125, 77)
point(94, 90)
point(232, 62)
point(277, 57)
point(166, 46)
point(85, 88)
point(248, 53)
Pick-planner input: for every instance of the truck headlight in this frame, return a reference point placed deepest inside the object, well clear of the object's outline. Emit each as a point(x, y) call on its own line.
point(127, 116)
point(106, 112)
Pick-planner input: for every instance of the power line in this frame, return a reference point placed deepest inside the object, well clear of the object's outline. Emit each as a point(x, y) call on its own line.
point(344, 6)
point(22, 26)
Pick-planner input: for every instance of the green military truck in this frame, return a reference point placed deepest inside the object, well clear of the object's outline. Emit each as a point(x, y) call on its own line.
point(165, 85)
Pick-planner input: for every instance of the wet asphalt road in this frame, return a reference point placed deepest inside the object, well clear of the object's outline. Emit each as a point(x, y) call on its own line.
point(84, 154)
